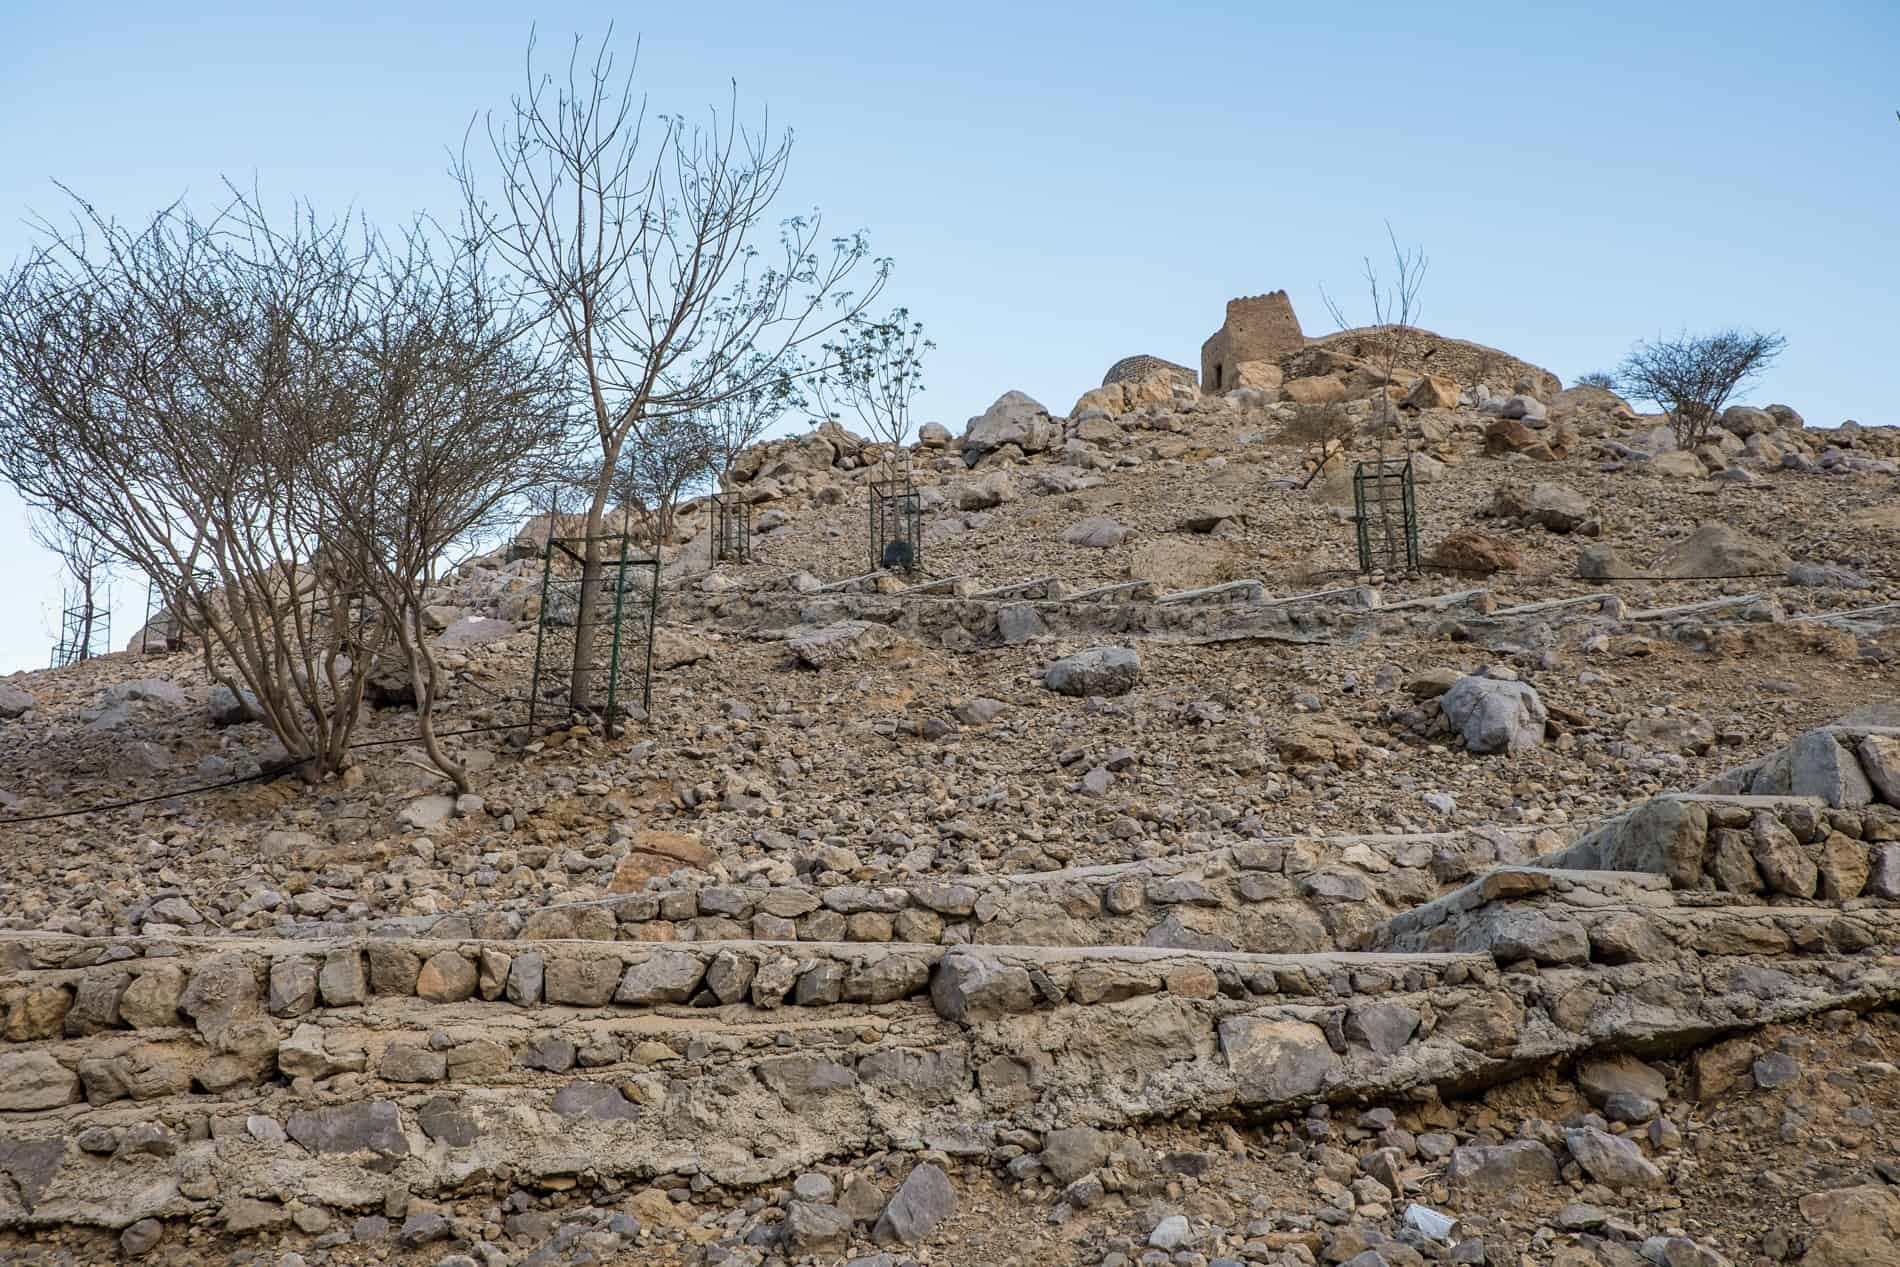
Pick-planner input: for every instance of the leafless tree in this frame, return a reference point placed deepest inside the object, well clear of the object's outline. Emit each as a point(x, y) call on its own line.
point(875, 370)
point(1597, 378)
point(1395, 308)
point(87, 565)
point(635, 238)
point(1692, 376)
point(278, 421)
point(450, 420)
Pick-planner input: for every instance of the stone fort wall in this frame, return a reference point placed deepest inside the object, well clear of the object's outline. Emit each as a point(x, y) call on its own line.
point(1258, 328)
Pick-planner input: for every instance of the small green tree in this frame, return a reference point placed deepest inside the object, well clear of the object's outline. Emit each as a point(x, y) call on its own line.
point(1597, 378)
point(1692, 376)
point(876, 369)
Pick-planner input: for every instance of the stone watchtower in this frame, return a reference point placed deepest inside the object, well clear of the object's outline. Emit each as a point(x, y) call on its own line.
point(1258, 328)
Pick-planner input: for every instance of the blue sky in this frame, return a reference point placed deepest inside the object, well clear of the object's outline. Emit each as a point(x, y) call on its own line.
point(1062, 185)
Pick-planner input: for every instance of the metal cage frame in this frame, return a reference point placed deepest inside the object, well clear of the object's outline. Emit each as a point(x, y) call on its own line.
point(82, 628)
point(897, 539)
point(731, 528)
point(617, 565)
point(1379, 488)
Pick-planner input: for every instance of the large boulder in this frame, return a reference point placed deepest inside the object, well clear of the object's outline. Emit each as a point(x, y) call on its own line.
point(14, 702)
point(1719, 550)
point(1665, 837)
point(1820, 765)
point(1097, 671)
point(1493, 715)
point(1014, 419)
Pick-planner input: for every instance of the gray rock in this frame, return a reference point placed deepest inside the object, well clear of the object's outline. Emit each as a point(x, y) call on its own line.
point(141, 1238)
point(1819, 766)
point(229, 708)
point(1097, 532)
point(1384, 1027)
point(1171, 1233)
point(408, 1062)
point(1019, 622)
point(1611, 1160)
point(1719, 550)
point(1556, 508)
point(221, 989)
point(971, 987)
point(1495, 716)
point(814, 1187)
point(525, 976)
point(293, 986)
point(15, 702)
point(1603, 563)
point(1014, 419)
point(1784, 864)
point(343, 981)
point(1664, 837)
point(1502, 1167)
point(373, 1125)
point(813, 1228)
point(594, 1100)
point(443, 1121)
point(1775, 1069)
point(1884, 879)
point(666, 976)
point(1514, 933)
point(35, 1081)
point(424, 1228)
point(1097, 671)
point(152, 690)
point(979, 710)
point(924, 1201)
point(1528, 408)
point(1274, 1062)
point(1073, 1151)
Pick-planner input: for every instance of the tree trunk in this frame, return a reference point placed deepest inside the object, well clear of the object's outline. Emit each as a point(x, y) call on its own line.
point(580, 685)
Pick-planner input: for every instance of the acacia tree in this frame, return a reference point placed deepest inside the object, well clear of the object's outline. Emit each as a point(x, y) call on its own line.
point(1692, 376)
point(450, 422)
point(636, 240)
point(876, 369)
point(257, 415)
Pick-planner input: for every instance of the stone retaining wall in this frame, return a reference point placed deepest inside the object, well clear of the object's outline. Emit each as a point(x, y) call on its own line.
point(342, 1107)
point(1795, 847)
point(1286, 895)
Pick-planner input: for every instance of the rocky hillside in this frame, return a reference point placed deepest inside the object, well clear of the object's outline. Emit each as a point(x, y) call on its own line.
point(1136, 882)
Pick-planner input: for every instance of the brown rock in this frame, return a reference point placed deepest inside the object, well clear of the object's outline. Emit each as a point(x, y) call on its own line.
point(1477, 553)
point(1320, 389)
point(1858, 1227)
point(1433, 392)
point(446, 978)
point(655, 854)
point(1316, 737)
